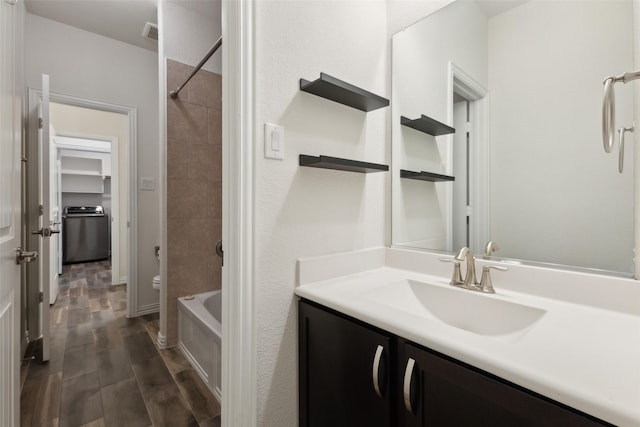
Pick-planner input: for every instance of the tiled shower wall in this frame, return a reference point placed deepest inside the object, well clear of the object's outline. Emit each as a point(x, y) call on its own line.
point(194, 187)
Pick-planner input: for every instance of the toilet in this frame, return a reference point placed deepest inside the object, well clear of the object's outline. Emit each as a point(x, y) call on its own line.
point(156, 279)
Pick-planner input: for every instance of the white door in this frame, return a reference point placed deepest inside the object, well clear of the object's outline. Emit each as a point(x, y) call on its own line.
point(58, 178)
point(460, 210)
point(10, 226)
point(45, 223)
point(55, 217)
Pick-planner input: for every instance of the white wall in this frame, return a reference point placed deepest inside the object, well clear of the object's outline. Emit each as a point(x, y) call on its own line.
point(546, 133)
point(86, 65)
point(636, 135)
point(421, 54)
point(403, 13)
point(304, 211)
point(188, 35)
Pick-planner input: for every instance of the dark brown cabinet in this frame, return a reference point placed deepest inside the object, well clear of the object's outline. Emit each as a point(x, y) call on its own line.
point(352, 374)
point(338, 385)
point(445, 393)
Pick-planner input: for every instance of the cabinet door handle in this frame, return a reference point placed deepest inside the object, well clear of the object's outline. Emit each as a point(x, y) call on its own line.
point(406, 389)
point(376, 370)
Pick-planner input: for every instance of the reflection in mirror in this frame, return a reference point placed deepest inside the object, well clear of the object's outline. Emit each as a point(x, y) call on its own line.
point(522, 86)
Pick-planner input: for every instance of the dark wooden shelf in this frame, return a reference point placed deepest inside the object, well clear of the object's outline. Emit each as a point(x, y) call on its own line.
point(347, 94)
point(427, 125)
point(326, 162)
point(425, 176)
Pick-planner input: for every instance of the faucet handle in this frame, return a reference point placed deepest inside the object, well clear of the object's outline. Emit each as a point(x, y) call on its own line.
point(489, 248)
point(456, 278)
point(486, 285)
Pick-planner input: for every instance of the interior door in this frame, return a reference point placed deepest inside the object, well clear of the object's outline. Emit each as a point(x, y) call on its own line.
point(58, 178)
point(55, 218)
point(461, 232)
point(10, 225)
point(45, 222)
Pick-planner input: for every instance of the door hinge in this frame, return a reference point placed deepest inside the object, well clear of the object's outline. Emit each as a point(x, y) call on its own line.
point(40, 123)
point(40, 209)
point(41, 296)
point(468, 126)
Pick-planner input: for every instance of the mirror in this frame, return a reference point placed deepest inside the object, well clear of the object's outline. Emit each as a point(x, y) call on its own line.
point(521, 82)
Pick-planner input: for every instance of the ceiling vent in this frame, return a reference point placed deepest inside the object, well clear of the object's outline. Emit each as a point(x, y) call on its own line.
point(150, 31)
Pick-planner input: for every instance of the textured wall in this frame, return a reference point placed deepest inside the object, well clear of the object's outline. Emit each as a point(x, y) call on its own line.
point(303, 211)
point(194, 187)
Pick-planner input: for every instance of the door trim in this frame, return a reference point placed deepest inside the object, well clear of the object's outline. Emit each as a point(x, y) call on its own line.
point(132, 214)
point(465, 85)
point(239, 379)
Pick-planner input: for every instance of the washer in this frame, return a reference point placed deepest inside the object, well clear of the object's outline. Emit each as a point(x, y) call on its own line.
point(85, 234)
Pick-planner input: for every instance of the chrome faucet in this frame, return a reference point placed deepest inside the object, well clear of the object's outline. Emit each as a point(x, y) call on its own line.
point(470, 281)
point(466, 255)
point(489, 248)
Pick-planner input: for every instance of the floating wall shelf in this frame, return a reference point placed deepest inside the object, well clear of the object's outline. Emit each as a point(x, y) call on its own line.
point(326, 162)
point(347, 94)
point(427, 125)
point(425, 176)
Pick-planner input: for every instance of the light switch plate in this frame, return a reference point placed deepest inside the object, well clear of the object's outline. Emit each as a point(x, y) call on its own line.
point(273, 141)
point(148, 184)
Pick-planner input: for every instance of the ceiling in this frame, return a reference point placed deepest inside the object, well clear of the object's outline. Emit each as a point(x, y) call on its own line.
point(122, 20)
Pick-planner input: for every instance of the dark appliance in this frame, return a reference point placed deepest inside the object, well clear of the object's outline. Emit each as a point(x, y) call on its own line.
point(85, 234)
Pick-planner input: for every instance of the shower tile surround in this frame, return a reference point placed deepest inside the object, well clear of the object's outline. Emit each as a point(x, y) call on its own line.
point(194, 187)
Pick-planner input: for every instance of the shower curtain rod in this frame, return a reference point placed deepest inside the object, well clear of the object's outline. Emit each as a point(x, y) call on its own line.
point(174, 93)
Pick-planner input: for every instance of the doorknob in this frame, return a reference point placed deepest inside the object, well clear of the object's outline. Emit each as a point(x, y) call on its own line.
point(24, 256)
point(45, 232)
point(219, 250)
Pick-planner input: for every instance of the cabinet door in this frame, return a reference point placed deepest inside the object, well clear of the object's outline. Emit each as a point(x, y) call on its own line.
point(442, 393)
point(344, 371)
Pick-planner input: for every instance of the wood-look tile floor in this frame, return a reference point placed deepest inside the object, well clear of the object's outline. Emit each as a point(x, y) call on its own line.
point(105, 369)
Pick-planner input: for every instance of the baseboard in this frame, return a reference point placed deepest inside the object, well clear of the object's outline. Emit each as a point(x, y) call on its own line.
point(148, 309)
point(162, 340)
point(122, 281)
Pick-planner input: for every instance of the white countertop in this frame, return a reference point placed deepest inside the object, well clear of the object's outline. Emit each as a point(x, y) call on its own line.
point(584, 352)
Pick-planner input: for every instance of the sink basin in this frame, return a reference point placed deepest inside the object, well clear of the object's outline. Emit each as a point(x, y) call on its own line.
point(461, 308)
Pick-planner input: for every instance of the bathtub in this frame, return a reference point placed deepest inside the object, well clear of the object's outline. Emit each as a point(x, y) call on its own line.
point(200, 336)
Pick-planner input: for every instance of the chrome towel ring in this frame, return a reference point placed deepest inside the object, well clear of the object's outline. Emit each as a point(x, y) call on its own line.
point(621, 133)
point(609, 115)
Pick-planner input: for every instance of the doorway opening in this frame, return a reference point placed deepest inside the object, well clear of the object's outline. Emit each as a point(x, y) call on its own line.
point(91, 155)
point(468, 108)
point(92, 180)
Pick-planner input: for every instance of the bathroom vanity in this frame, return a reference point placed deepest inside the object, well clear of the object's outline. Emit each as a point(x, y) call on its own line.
point(354, 374)
point(384, 340)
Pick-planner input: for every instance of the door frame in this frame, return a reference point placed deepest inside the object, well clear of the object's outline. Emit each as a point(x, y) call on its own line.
point(479, 166)
point(34, 95)
point(239, 378)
